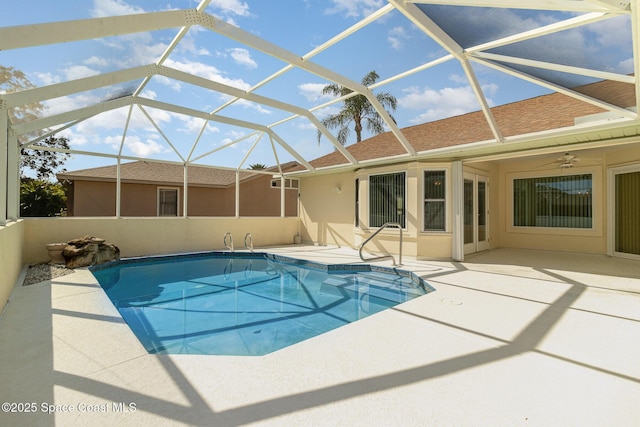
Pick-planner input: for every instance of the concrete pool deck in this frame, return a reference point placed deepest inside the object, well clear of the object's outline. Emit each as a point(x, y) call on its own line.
point(509, 338)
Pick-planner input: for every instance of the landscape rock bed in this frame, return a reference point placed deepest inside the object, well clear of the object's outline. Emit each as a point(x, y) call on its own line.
point(40, 272)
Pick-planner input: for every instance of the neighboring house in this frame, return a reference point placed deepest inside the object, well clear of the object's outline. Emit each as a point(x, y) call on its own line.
point(156, 189)
point(562, 179)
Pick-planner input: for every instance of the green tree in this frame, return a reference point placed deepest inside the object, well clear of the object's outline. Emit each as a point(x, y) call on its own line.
point(257, 166)
point(41, 198)
point(357, 110)
point(43, 163)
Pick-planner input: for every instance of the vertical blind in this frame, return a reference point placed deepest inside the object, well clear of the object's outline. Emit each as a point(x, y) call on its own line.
point(387, 199)
point(557, 201)
point(627, 218)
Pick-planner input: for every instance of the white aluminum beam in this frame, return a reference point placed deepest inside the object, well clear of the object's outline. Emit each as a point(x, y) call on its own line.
point(282, 54)
point(430, 28)
point(603, 75)
point(95, 28)
point(13, 177)
point(153, 122)
point(575, 22)
point(484, 105)
point(557, 88)
point(424, 23)
point(71, 87)
point(69, 116)
point(559, 5)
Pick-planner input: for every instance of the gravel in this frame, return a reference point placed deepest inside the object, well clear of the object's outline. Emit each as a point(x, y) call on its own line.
point(40, 272)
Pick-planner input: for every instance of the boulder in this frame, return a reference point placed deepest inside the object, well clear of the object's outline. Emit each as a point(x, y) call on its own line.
point(89, 250)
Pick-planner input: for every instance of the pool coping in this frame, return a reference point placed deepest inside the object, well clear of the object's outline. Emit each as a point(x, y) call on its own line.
point(328, 268)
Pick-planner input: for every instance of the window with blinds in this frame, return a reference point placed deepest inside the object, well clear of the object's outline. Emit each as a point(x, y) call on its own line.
point(434, 200)
point(556, 201)
point(387, 199)
point(167, 202)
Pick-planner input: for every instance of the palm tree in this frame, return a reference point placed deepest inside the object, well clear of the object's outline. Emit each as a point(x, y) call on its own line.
point(357, 109)
point(257, 166)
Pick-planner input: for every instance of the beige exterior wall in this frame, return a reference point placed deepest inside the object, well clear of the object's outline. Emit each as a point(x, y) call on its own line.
point(326, 214)
point(594, 240)
point(257, 198)
point(150, 236)
point(328, 217)
point(11, 258)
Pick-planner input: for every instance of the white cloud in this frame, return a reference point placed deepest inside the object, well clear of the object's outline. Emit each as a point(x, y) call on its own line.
point(207, 71)
point(48, 78)
point(313, 91)
point(144, 148)
point(113, 7)
point(79, 71)
point(193, 125)
point(231, 7)
point(355, 8)
point(442, 103)
point(96, 61)
point(242, 57)
point(396, 37)
point(176, 85)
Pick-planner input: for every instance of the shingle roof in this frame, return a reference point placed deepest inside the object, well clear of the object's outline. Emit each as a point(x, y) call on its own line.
point(542, 113)
point(165, 173)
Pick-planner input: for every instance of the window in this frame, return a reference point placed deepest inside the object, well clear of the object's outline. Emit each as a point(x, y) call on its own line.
point(557, 201)
point(387, 199)
point(167, 202)
point(289, 183)
point(434, 201)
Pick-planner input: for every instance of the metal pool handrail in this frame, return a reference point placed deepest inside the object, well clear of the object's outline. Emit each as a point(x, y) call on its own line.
point(230, 239)
point(388, 224)
point(250, 245)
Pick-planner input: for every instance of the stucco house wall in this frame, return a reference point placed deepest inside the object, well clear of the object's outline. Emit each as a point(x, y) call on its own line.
point(592, 241)
point(257, 198)
point(327, 217)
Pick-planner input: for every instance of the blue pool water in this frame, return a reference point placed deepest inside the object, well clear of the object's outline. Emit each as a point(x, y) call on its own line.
point(245, 303)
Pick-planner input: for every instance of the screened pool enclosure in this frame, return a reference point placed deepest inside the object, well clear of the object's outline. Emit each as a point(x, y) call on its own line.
point(229, 85)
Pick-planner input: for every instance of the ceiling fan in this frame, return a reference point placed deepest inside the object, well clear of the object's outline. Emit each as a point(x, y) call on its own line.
point(566, 161)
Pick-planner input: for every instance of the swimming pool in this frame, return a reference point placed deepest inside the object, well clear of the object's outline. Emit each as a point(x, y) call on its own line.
point(245, 303)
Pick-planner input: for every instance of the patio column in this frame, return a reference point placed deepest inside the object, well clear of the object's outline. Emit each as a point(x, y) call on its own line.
point(237, 193)
point(185, 190)
point(4, 118)
point(13, 177)
point(118, 188)
point(282, 196)
point(457, 207)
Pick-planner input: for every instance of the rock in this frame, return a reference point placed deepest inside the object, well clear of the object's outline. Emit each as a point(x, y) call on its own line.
point(89, 250)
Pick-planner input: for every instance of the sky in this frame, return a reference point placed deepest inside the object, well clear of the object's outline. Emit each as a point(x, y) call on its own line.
point(391, 45)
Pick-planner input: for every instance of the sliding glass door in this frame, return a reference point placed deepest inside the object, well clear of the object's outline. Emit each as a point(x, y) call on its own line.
point(476, 213)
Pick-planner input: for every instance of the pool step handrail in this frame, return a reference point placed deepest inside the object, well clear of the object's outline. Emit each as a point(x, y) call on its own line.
point(388, 256)
point(224, 241)
point(250, 244)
